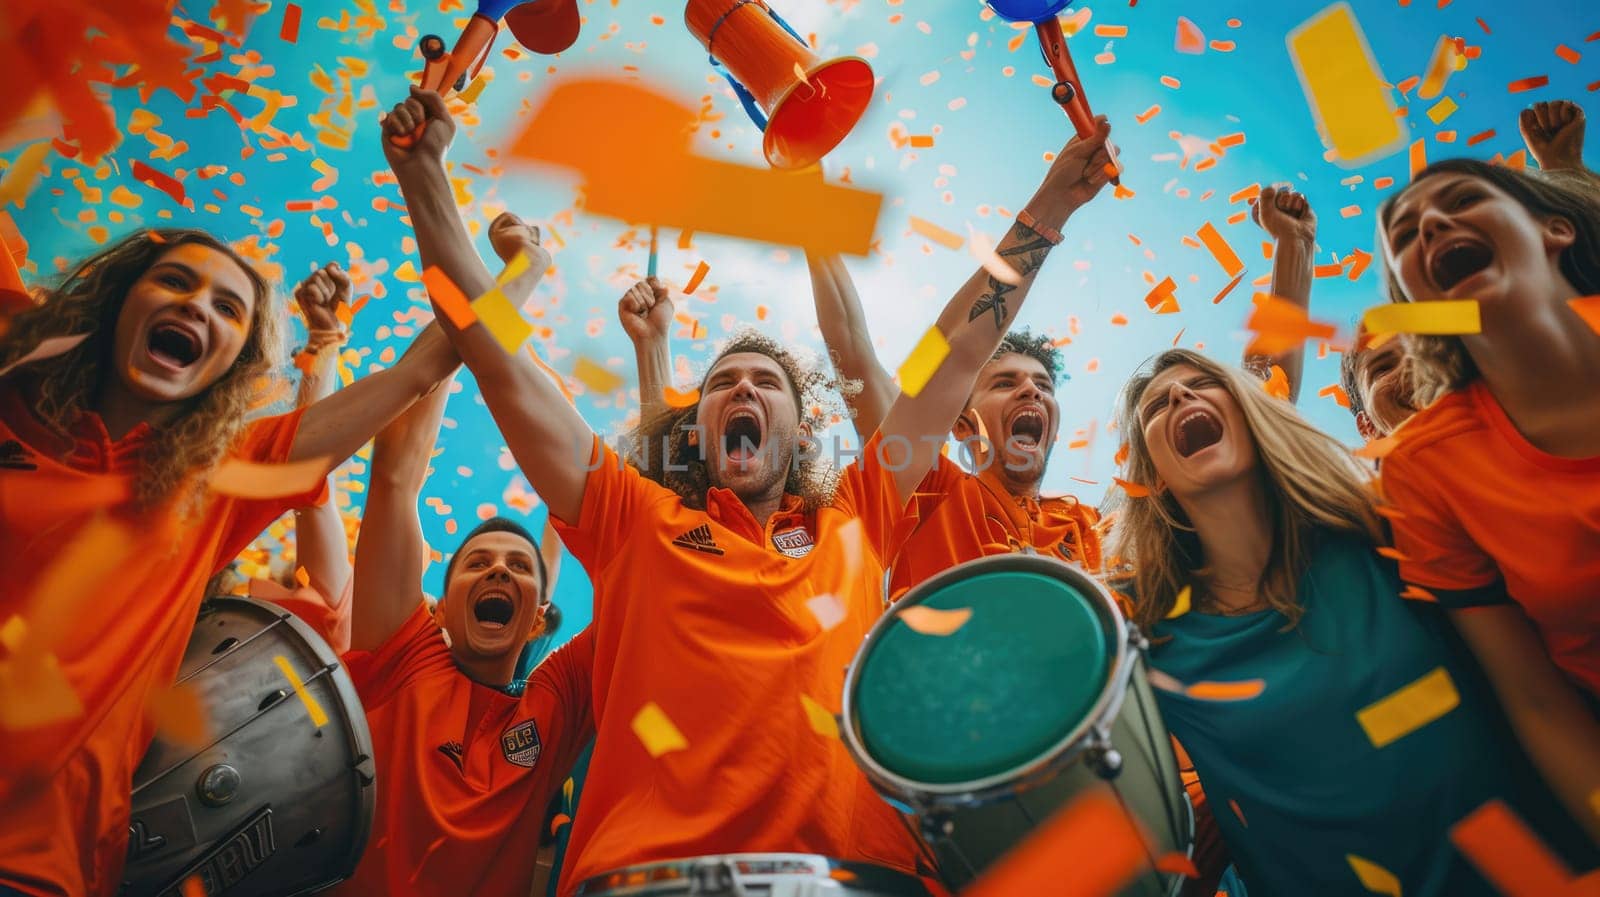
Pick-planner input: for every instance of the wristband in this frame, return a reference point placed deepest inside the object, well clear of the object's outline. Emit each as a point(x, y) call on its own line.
point(1050, 234)
point(317, 340)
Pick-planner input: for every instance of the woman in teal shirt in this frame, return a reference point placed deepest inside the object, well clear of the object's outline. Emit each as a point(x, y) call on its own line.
point(1264, 527)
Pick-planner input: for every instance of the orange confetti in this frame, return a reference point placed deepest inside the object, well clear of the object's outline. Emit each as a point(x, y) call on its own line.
point(248, 479)
point(1335, 392)
point(162, 181)
point(1093, 836)
point(180, 717)
point(1134, 490)
point(1281, 325)
point(595, 376)
point(1169, 81)
point(676, 399)
point(1223, 294)
point(1111, 31)
point(1226, 691)
point(1416, 593)
point(1277, 384)
point(1189, 40)
point(945, 238)
point(1162, 298)
point(1377, 448)
point(700, 272)
point(932, 620)
point(1568, 54)
point(1220, 250)
point(1148, 114)
point(1513, 858)
point(444, 292)
point(1523, 85)
point(290, 31)
point(194, 887)
point(1588, 308)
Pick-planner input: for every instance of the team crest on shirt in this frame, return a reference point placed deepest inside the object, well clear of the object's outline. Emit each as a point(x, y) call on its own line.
point(520, 744)
point(795, 543)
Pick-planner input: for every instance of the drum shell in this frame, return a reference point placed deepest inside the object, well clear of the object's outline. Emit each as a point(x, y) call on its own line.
point(758, 875)
point(984, 818)
point(300, 811)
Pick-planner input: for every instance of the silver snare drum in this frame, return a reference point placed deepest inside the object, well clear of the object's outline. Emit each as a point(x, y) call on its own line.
point(278, 803)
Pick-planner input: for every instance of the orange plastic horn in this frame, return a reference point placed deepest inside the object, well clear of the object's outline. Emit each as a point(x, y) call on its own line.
point(442, 71)
point(810, 103)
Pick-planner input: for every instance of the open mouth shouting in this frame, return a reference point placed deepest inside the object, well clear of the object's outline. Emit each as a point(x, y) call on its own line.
point(174, 346)
point(493, 608)
point(742, 435)
point(1027, 430)
point(1196, 429)
point(1455, 260)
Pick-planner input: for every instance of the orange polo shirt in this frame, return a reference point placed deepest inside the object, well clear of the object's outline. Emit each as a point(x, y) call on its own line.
point(1486, 518)
point(65, 786)
point(464, 770)
point(332, 623)
point(963, 516)
point(704, 615)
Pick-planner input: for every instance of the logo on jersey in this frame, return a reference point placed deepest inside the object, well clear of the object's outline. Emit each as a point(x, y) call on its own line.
point(520, 744)
point(795, 543)
point(455, 752)
point(14, 457)
point(698, 539)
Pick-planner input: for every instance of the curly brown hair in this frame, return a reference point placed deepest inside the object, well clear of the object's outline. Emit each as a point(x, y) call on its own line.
point(89, 300)
point(1441, 363)
point(682, 467)
point(1038, 346)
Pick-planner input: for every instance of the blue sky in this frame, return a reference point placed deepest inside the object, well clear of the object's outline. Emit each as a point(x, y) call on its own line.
point(944, 71)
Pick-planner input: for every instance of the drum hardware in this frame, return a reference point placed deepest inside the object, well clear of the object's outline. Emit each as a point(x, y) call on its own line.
point(218, 784)
point(714, 878)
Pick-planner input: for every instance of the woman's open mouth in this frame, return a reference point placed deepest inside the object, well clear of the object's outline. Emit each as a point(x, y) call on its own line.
point(174, 345)
point(1197, 429)
point(1456, 261)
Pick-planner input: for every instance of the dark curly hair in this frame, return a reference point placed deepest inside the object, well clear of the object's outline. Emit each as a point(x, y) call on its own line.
point(89, 300)
point(1037, 346)
point(682, 467)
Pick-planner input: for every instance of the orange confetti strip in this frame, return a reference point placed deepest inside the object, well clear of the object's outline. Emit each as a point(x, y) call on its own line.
point(162, 181)
point(1568, 54)
point(1588, 308)
point(700, 272)
point(1169, 81)
point(1220, 250)
point(1248, 193)
point(1189, 38)
point(290, 31)
point(1281, 326)
point(179, 717)
point(1111, 31)
point(1217, 299)
point(1360, 260)
point(1134, 490)
point(248, 479)
point(945, 238)
point(1480, 137)
point(1441, 64)
point(676, 399)
point(1227, 691)
point(1377, 448)
point(1093, 836)
point(1513, 858)
point(444, 293)
point(1148, 114)
point(1335, 392)
point(1416, 593)
point(932, 620)
point(1523, 85)
point(1162, 299)
point(194, 887)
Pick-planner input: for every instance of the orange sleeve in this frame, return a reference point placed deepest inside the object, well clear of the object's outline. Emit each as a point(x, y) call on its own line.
point(568, 673)
point(1436, 552)
point(266, 441)
point(867, 492)
point(616, 501)
point(416, 648)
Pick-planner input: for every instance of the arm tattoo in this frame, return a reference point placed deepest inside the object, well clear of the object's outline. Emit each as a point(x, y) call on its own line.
point(1029, 252)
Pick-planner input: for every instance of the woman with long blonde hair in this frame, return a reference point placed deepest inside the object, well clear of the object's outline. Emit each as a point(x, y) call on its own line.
point(109, 528)
point(1275, 624)
point(1496, 482)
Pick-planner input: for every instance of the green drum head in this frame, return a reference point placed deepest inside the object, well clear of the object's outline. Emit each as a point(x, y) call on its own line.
point(997, 693)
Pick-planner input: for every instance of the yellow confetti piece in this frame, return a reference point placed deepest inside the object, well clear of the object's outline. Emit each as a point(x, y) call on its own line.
point(827, 609)
point(20, 177)
point(247, 479)
point(924, 360)
point(1442, 110)
point(1374, 877)
point(822, 722)
point(1348, 95)
point(514, 269)
point(1410, 708)
point(596, 377)
point(319, 717)
point(945, 238)
point(1180, 606)
point(656, 731)
point(933, 621)
point(502, 319)
point(1442, 317)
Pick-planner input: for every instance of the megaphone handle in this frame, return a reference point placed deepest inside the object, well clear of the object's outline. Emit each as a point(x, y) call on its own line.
point(1068, 91)
point(441, 70)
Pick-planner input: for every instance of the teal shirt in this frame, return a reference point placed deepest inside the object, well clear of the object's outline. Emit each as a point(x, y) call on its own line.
point(1307, 780)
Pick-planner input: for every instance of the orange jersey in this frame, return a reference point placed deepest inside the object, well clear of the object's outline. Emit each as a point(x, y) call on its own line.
point(332, 623)
point(965, 516)
point(1483, 514)
point(709, 617)
point(65, 786)
point(464, 770)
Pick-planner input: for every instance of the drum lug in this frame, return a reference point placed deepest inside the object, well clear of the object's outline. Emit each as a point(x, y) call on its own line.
point(1136, 638)
point(714, 878)
point(217, 785)
point(1102, 757)
point(365, 769)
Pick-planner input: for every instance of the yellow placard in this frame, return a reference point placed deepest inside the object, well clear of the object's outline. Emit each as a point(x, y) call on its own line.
point(1444, 317)
point(1347, 93)
point(924, 360)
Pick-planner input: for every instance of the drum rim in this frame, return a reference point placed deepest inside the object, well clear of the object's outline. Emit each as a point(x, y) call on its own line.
point(925, 795)
point(827, 862)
